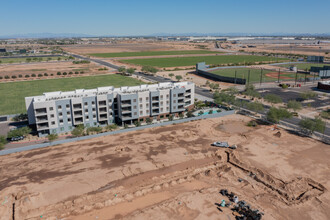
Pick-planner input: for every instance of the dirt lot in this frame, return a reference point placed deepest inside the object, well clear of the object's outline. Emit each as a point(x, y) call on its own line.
point(132, 46)
point(170, 172)
point(49, 68)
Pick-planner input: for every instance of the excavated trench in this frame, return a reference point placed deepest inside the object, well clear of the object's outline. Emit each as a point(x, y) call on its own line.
point(293, 192)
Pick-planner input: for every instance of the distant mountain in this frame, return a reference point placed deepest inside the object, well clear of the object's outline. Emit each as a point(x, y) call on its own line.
point(45, 35)
point(195, 34)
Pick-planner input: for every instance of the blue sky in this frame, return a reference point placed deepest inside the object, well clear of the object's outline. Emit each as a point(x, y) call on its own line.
point(142, 17)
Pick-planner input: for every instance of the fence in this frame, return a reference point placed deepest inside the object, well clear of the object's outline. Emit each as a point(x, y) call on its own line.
point(216, 77)
point(37, 146)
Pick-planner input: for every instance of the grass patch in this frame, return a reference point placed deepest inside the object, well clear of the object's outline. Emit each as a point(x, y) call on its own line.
point(12, 94)
point(38, 70)
point(152, 53)
point(191, 61)
point(303, 66)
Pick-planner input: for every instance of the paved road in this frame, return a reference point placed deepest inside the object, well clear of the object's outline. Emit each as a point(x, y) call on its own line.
point(29, 56)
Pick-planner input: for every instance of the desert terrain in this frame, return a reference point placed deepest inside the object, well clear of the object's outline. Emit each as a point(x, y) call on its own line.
point(170, 172)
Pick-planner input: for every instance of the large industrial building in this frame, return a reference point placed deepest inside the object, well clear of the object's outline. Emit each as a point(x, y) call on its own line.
point(60, 112)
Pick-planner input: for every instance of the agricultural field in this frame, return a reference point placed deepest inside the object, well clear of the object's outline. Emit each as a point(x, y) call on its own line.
point(12, 94)
point(33, 59)
point(304, 66)
point(255, 74)
point(191, 61)
point(152, 53)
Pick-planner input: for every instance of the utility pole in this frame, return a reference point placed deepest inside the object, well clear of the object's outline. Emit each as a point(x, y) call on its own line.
point(261, 77)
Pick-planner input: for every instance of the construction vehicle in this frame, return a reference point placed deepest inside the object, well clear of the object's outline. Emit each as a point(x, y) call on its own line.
point(224, 145)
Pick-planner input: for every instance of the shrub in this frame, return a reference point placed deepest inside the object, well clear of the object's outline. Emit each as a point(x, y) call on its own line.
point(76, 72)
point(181, 115)
point(3, 141)
point(1, 77)
point(112, 127)
point(276, 114)
point(93, 130)
point(20, 76)
point(65, 73)
point(40, 75)
point(273, 98)
point(82, 72)
point(23, 131)
point(7, 77)
point(52, 74)
point(27, 76)
point(148, 121)
point(59, 73)
point(13, 77)
point(70, 73)
point(78, 131)
point(294, 105)
point(33, 75)
point(45, 74)
point(137, 123)
point(252, 124)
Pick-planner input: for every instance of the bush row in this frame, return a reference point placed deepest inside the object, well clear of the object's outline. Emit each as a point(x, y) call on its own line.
point(40, 75)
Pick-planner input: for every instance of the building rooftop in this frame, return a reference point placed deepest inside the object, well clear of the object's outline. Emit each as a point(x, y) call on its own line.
point(78, 93)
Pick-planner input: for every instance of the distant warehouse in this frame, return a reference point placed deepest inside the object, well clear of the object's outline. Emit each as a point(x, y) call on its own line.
point(60, 112)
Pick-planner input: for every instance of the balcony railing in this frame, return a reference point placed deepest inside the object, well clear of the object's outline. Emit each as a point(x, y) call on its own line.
point(41, 111)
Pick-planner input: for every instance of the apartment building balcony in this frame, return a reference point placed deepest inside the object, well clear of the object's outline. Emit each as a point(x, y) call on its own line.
point(77, 106)
point(155, 111)
point(188, 96)
point(79, 120)
point(41, 118)
point(78, 113)
point(41, 126)
point(103, 117)
point(102, 103)
point(155, 99)
point(40, 111)
point(188, 91)
point(180, 95)
point(180, 106)
point(187, 103)
point(155, 105)
point(103, 109)
point(181, 101)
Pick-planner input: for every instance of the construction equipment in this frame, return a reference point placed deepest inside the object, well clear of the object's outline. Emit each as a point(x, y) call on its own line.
point(224, 145)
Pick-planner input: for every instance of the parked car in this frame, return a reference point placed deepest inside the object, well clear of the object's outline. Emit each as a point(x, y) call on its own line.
point(18, 138)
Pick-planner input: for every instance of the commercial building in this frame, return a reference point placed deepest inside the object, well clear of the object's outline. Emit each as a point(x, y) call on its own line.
point(59, 112)
point(324, 85)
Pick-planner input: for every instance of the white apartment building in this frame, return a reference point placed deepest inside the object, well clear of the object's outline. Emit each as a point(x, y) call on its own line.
point(60, 112)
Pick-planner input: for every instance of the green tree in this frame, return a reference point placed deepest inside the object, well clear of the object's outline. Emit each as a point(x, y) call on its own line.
point(112, 127)
point(222, 97)
point(78, 131)
point(309, 125)
point(232, 90)
point(181, 115)
point(170, 118)
point(93, 130)
point(131, 71)
point(122, 69)
point(148, 121)
point(3, 141)
point(178, 77)
point(274, 99)
point(171, 75)
point(149, 69)
point(137, 123)
point(250, 91)
point(294, 105)
point(23, 131)
point(190, 114)
point(52, 137)
point(308, 95)
point(255, 106)
point(276, 114)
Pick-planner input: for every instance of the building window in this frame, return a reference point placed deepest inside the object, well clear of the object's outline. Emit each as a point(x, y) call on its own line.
point(161, 103)
point(53, 122)
point(52, 116)
point(51, 108)
point(147, 105)
point(70, 127)
point(86, 103)
point(167, 96)
point(135, 113)
point(87, 117)
point(141, 112)
point(95, 123)
point(93, 109)
point(167, 108)
point(174, 101)
point(54, 131)
point(60, 114)
point(174, 107)
point(140, 99)
point(167, 102)
point(94, 116)
point(140, 105)
point(86, 110)
point(68, 113)
point(110, 100)
point(61, 120)
point(67, 105)
point(93, 103)
point(174, 95)
point(69, 119)
point(161, 109)
point(62, 129)
point(59, 107)
point(161, 96)
point(134, 107)
point(147, 111)
point(147, 98)
point(134, 100)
